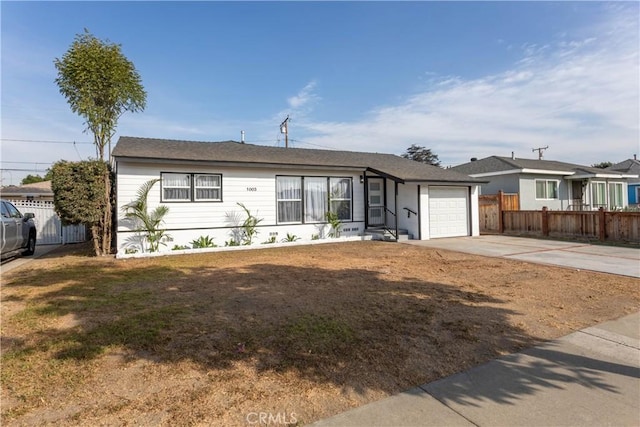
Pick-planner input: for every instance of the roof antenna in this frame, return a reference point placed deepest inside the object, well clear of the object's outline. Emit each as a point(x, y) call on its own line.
point(539, 150)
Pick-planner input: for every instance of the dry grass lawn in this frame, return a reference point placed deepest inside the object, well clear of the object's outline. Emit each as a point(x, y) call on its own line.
point(311, 330)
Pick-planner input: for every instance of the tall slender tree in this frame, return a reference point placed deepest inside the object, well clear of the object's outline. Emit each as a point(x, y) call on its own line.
point(100, 84)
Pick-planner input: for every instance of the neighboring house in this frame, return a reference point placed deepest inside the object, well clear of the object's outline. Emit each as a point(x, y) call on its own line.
point(556, 185)
point(37, 198)
point(36, 191)
point(630, 167)
point(290, 189)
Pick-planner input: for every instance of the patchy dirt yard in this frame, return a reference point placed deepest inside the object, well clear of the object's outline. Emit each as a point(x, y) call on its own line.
point(300, 333)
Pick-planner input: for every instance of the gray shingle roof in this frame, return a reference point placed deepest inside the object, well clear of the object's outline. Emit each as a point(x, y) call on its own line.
point(259, 155)
point(631, 166)
point(502, 164)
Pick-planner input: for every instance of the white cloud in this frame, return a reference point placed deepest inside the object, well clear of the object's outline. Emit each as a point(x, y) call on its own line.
point(580, 97)
point(304, 97)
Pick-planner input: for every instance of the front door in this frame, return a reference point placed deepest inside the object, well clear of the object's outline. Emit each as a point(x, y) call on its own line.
point(375, 202)
point(576, 195)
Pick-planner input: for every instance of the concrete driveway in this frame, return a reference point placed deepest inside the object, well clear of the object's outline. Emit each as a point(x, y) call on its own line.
point(13, 263)
point(582, 256)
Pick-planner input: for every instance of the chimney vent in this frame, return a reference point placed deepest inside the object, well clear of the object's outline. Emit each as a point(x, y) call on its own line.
point(635, 157)
point(513, 155)
point(241, 137)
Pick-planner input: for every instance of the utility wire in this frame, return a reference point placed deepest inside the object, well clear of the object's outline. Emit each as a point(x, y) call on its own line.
point(315, 145)
point(27, 163)
point(22, 170)
point(44, 141)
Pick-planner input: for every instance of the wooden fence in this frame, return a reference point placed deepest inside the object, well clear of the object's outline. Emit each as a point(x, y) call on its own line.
point(491, 206)
point(602, 225)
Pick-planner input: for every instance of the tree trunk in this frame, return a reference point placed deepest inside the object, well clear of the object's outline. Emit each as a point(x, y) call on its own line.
point(102, 229)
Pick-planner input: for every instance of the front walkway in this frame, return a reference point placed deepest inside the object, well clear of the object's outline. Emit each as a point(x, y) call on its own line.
point(583, 256)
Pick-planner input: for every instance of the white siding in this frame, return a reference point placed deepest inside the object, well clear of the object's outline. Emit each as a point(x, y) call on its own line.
point(475, 210)
point(254, 187)
point(408, 198)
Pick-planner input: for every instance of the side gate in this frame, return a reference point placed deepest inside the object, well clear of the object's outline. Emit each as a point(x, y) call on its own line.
point(49, 228)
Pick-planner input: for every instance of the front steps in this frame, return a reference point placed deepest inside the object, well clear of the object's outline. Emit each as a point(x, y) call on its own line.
point(384, 234)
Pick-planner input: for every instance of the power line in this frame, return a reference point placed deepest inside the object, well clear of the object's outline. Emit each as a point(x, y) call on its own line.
point(27, 163)
point(45, 141)
point(315, 145)
point(22, 170)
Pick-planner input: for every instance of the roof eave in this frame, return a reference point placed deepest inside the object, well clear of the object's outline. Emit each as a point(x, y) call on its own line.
point(227, 163)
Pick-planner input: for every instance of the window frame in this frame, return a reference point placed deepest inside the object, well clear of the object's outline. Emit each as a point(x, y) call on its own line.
point(192, 187)
point(546, 188)
point(300, 200)
point(350, 198)
point(594, 186)
point(610, 203)
point(303, 198)
point(196, 187)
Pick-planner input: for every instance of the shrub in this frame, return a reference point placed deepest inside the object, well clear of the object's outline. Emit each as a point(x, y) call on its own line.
point(203, 242)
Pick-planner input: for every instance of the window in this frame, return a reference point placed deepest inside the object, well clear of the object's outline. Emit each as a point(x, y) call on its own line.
point(315, 199)
point(289, 196)
point(341, 197)
point(207, 187)
point(307, 199)
point(186, 187)
point(615, 195)
point(598, 194)
point(546, 189)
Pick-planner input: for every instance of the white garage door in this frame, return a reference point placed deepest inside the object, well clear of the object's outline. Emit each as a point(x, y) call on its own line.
point(448, 212)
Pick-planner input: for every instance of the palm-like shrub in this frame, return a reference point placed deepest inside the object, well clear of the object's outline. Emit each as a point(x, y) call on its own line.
point(148, 222)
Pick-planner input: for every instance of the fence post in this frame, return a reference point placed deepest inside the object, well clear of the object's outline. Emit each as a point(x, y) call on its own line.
point(601, 224)
point(500, 220)
point(545, 221)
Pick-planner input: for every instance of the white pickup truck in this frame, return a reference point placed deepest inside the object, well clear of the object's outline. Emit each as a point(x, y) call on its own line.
point(17, 233)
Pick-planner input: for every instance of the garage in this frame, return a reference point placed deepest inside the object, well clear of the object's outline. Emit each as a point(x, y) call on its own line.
point(448, 212)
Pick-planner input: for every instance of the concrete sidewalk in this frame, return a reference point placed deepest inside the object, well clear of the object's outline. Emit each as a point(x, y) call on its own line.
point(588, 378)
point(606, 259)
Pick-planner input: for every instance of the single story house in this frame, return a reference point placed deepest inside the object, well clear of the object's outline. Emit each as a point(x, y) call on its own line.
point(35, 191)
point(630, 167)
point(290, 190)
point(556, 185)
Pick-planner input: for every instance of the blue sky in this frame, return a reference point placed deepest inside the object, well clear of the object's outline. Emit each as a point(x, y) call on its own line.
point(466, 79)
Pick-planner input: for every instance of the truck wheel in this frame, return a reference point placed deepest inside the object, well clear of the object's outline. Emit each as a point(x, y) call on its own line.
point(31, 244)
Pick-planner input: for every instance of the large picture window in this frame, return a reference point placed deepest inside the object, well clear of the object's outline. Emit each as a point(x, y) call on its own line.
point(308, 199)
point(546, 189)
point(315, 199)
point(189, 187)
